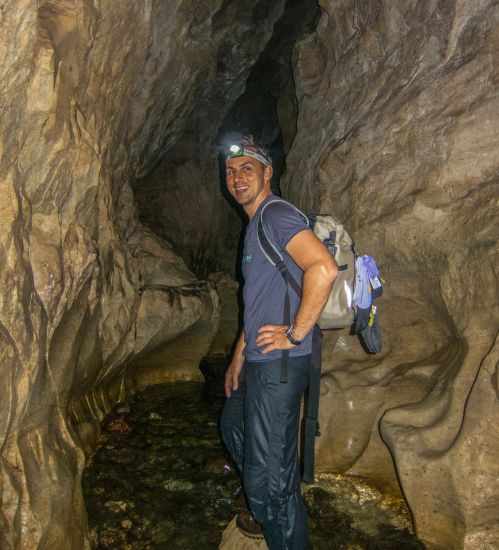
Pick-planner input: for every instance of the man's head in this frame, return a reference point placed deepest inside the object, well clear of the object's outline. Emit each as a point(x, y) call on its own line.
point(249, 172)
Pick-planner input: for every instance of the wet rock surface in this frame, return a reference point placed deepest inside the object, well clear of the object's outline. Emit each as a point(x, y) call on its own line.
point(395, 137)
point(93, 95)
point(165, 479)
point(160, 479)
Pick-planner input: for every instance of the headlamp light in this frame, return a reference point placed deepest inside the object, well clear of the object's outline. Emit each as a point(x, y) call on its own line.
point(235, 149)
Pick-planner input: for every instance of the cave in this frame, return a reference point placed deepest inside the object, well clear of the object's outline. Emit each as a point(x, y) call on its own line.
point(119, 245)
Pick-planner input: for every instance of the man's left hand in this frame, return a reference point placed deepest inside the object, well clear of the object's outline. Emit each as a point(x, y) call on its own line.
point(272, 337)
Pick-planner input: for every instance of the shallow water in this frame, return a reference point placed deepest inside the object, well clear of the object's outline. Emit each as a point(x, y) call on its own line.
point(160, 480)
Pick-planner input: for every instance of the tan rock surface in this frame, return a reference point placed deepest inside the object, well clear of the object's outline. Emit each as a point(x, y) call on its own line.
point(229, 326)
point(92, 95)
point(397, 137)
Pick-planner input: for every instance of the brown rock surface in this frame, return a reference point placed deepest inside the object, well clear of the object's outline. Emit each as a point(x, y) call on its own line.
point(229, 326)
point(93, 94)
point(397, 136)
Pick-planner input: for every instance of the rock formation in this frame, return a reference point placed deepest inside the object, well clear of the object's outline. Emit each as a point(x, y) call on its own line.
point(397, 137)
point(181, 198)
point(93, 95)
point(233, 539)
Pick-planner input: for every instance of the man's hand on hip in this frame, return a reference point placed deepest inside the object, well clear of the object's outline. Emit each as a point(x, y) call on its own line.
point(273, 337)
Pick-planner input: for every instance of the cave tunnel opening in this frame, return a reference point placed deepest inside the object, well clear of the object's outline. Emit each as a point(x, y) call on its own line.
point(266, 108)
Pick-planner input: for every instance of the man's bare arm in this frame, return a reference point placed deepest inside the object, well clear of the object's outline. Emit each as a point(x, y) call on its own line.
point(319, 273)
point(234, 369)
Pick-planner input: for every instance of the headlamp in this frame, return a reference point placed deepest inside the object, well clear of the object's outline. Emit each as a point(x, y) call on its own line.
point(235, 149)
point(248, 150)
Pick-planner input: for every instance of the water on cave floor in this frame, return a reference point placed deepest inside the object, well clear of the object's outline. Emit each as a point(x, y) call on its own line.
point(160, 480)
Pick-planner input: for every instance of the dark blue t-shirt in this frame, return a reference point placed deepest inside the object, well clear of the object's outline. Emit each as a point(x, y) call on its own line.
point(264, 288)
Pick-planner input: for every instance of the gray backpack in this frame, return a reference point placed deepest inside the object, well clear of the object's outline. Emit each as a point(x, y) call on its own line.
point(338, 311)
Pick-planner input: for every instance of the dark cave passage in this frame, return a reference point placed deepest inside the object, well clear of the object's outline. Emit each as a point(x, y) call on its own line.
point(183, 198)
point(268, 108)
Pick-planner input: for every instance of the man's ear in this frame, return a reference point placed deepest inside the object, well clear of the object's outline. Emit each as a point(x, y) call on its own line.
point(267, 173)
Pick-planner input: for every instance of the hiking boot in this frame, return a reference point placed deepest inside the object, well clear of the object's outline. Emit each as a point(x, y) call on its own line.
point(248, 525)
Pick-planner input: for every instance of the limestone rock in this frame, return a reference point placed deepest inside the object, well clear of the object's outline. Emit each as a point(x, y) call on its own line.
point(181, 198)
point(229, 327)
point(93, 94)
point(396, 137)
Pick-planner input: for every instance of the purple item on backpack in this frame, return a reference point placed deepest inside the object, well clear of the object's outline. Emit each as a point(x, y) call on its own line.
point(362, 293)
point(367, 282)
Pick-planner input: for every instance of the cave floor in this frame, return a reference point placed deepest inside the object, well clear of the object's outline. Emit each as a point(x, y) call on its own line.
point(160, 480)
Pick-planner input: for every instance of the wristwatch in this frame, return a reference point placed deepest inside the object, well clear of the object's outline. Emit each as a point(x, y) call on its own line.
point(291, 338)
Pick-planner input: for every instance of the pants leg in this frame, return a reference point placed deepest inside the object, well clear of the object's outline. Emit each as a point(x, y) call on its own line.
point(271, 476)
point(232, 426)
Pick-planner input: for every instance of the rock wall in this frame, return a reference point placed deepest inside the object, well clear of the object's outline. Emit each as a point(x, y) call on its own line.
point(397, 136)
point(93, 95)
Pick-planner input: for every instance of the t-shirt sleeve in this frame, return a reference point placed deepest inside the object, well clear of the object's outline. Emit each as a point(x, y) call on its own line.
point(283, 222)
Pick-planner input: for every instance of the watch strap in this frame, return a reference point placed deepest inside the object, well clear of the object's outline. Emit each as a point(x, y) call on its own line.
point(291, 338)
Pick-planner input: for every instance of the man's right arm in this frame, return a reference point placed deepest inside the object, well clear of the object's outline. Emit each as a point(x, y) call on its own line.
point(234, 369)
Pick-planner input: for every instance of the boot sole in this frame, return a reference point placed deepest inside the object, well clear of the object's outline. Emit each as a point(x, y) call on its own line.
point(249, 535)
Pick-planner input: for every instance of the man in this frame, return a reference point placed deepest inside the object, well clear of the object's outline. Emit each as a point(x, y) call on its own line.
point(260, 421)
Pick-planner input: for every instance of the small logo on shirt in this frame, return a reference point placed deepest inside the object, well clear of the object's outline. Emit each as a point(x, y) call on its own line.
point(247, 258)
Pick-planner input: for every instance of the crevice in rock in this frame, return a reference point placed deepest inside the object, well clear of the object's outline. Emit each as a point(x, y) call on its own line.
point(181, 199)
point(268, 108)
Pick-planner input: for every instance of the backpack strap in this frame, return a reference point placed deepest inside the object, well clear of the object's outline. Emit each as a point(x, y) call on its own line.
point(272, 252)
point(275, 257)
point(311, 428)
point(332, 246)
point(311, 418)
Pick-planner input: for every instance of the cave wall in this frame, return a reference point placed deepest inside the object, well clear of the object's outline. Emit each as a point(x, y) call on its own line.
point(93, 95)
point(398, 136)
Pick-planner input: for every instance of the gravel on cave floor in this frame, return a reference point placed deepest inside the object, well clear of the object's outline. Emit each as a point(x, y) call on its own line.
point(160, 480)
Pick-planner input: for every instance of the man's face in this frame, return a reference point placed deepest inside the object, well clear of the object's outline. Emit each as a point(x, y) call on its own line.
point(247, 179)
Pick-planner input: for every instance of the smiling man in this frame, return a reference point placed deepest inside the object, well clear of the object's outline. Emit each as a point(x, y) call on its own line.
point(260, 421)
